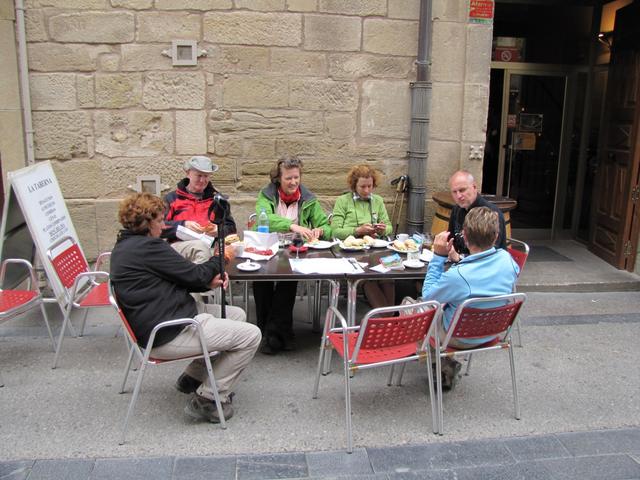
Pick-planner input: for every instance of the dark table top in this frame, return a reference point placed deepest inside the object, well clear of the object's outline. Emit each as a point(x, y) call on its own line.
point(278, 267)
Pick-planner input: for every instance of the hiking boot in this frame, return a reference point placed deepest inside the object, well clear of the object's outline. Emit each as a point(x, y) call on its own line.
point(187, 384)
point(201, 408)
point(271, 345)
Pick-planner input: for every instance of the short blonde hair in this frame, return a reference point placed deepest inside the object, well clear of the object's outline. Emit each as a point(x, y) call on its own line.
point(362, 171)
point(481, 227)
point(136, 212)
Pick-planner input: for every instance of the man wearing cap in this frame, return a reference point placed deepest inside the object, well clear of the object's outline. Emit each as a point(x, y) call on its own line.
point(193, 206)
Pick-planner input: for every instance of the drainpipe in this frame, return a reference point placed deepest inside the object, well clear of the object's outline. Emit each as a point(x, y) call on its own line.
point(23, 72)
point(420, 112)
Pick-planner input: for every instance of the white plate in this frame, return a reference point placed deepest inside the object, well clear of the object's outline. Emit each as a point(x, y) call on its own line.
point(379, 243)
point(319, 245)
point(248, 266)
point(416, 264)
point(353, 248)
point(426, 255)
point(391, 247)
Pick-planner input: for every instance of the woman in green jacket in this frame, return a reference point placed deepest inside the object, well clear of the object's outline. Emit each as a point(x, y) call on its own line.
point(361, 212)
point(291, 207)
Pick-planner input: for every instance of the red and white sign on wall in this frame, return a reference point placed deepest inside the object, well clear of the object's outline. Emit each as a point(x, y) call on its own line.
point(481, 11)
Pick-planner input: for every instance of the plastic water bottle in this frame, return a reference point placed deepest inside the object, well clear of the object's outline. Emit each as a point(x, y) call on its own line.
point(263, 222)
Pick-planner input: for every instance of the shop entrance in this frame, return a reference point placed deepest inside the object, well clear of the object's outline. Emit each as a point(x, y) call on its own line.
point(524, 144)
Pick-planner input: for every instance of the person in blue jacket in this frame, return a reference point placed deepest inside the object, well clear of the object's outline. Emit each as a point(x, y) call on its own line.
point(485, 272)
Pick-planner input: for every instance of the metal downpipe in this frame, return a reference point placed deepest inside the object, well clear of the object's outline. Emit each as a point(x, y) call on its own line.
point(419, 131)
point(23, 72)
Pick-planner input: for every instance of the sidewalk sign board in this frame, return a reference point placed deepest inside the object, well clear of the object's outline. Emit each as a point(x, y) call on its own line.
point(34, 199)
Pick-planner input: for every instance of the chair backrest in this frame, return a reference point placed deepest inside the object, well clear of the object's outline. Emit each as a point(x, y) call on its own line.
point(409, 328)
point(68, 263)
point(114, 301)
point(519, 251)
point(469, 321)
point(251, 221)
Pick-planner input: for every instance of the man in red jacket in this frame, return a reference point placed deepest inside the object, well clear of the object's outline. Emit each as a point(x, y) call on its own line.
point(193, 205)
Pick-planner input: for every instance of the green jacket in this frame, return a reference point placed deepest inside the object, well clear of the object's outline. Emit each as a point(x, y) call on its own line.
point(349, 214)
point(310, 213)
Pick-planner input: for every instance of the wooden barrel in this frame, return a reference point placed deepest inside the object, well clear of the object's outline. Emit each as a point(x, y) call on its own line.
point(445, 203)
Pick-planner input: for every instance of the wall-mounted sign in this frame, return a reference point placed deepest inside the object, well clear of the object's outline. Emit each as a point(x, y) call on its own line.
point(524, 141)
point(480, 11)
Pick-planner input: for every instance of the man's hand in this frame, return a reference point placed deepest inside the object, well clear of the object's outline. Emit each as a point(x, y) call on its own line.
point(195, 226)
point(380, 228)
point(442, 245)
point(219, 281)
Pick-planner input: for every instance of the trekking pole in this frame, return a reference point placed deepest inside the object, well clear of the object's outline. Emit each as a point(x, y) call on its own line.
point(401, 186)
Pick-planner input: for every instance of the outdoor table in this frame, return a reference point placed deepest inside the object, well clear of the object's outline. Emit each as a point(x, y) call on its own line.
point(279, 269)
point(372, 258)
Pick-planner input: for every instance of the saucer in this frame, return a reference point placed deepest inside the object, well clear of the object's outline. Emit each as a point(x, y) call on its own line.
point(248, 266)
point(416, 264)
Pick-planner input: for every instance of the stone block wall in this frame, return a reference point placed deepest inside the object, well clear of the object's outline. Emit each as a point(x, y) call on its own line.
point(325, 79)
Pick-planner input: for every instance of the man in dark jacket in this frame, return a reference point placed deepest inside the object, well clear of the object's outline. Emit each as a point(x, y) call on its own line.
point(464, 192)
point(193, 205)
point(152, 283)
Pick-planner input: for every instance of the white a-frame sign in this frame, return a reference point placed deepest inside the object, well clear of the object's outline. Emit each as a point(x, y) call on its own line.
point(41, 207)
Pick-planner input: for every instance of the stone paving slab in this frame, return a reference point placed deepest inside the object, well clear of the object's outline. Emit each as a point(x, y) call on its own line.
point(536, 457)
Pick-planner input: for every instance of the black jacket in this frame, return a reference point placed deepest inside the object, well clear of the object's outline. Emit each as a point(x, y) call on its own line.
point(456, 221)
point(152, 283)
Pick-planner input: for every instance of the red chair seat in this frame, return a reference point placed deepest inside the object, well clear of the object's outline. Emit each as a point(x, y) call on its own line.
point(10, 299)
point(98, 296)
point(370, 355)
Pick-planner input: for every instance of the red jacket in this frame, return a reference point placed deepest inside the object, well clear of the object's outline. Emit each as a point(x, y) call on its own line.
point(183, 206)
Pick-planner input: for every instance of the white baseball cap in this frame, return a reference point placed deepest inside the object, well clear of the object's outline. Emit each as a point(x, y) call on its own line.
point(200, 163)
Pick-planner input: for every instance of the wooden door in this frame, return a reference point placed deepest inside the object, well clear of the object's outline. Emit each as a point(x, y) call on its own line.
point(614, 235)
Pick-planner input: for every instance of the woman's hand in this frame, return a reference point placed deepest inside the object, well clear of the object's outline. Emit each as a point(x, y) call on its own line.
point(365, 229)
point(306, 233)
point(317, 232)
point(218, 281)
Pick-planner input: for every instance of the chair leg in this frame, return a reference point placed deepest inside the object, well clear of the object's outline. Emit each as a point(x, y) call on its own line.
point(46, 322)
point(466, 372)
point(134, 398)
point(1, 381)
point(214, 386)
point(246, 297)
point(65, 322)
point(390, 378)
point(519, 344)
point(84, 322)
point(230, 294)
point(439, 393)
point(516, 403)
point(319, 370)
point(432, 396)
point(399, 379)
point(127, 369)
point(347, 401)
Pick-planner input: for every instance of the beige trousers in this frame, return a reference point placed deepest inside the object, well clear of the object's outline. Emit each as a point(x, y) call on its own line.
point(236, 339)
point(194, 250)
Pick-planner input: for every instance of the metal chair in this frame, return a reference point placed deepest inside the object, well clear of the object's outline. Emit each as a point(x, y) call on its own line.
point(472, 321)
point(15, 302)
point(82, 288)
point(145, 358)
point(380, 340)
point(519, 251)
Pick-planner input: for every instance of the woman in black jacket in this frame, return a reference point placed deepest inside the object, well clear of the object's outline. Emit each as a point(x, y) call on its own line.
point(152, 283)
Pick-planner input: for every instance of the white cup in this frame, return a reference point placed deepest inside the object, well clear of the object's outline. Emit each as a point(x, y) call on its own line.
point(403, 237)
point(238, 248)
point(413, 256)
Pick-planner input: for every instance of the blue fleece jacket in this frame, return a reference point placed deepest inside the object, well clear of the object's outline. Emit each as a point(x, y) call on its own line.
point(485, 274)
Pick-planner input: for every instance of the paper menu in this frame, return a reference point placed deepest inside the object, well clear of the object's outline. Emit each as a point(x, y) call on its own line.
point(186, 234)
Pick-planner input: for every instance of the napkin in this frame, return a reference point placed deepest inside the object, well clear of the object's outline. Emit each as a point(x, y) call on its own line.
point(260, 241)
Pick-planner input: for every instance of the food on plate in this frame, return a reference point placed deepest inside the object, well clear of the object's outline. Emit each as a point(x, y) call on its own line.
point(368, 240)
point(408, 245)
point(315, 241)
point(352, 241)
point(229, 239)
point(209, 228)
point(266, 252)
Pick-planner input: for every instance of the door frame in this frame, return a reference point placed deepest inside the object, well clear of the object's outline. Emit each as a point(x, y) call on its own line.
point(569, 72)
